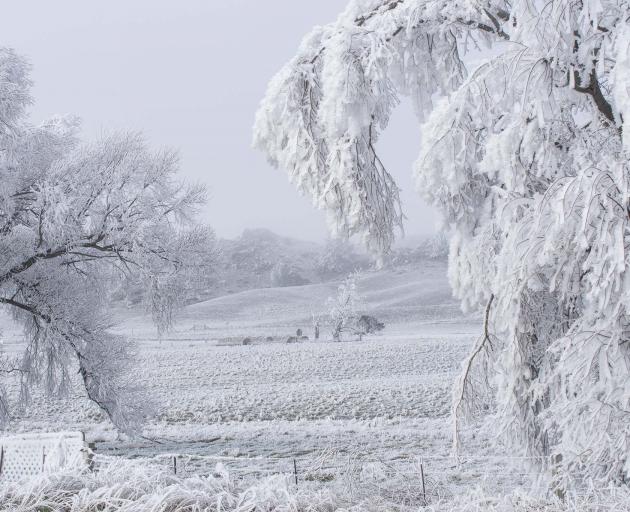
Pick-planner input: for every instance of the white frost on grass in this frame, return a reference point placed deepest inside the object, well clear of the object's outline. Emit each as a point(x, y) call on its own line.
point(132, 486)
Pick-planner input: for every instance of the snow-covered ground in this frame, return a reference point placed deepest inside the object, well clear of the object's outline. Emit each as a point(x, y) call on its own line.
point(379, 406)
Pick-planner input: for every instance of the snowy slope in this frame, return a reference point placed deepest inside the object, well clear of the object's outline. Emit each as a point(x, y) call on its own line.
point(401, 295)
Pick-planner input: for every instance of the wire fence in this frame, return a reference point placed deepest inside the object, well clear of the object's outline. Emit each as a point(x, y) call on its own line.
point(404, 481)
point(331, 459)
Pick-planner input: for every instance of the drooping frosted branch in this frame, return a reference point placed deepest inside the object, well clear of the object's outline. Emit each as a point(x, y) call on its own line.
point(323, 111)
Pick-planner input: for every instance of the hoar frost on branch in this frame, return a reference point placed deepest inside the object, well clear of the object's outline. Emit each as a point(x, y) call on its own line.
point(72, 218)
point(526, 156)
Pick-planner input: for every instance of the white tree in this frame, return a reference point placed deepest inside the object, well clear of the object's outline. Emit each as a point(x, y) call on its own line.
point(526, 156)
point(343, 314)
point(70, 215)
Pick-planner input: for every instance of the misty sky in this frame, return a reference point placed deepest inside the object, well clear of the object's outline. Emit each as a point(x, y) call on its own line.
point(190, 75)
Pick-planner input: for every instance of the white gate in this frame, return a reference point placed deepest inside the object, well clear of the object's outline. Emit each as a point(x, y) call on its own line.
point(26, 455)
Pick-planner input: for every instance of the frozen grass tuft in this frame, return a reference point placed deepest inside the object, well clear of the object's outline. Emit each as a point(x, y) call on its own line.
point(131, 486)
point(614, 499)
point(126, 486)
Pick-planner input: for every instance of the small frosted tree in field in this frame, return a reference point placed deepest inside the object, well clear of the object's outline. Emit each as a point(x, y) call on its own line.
point(343, 308)
point(526, 154)
point(435, 247)
point(73, 217)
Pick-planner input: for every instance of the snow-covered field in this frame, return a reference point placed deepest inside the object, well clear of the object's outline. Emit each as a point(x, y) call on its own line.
point(370, 411)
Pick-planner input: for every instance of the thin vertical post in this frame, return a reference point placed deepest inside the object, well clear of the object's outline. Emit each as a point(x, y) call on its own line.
point(424, 491)
point(89, 455)
point(175, 464)
point(43, 458)
point(295, 471)
point(1, 458)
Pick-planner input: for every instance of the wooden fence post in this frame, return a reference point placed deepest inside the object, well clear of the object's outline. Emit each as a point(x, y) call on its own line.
point(89, 455)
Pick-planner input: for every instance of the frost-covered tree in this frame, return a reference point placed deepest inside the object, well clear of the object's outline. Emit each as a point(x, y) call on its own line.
point(72, 216)
point(435, 247)
point(526, 155)
point(343, 314)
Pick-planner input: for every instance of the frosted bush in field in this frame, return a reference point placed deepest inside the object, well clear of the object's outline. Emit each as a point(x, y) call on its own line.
point(526, 154)
point(74, 218)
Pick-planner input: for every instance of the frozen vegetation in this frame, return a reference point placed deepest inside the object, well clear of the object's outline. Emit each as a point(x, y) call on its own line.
point(264, 373)
point(524, 151)
point(133, 487)
point(365, 410)
point(357, 418)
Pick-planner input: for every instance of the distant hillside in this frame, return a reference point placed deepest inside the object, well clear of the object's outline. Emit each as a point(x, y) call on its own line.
point(396, 296)
point(260, 259)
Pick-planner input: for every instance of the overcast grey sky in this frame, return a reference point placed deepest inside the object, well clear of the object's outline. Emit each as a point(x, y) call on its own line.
point(190, 75)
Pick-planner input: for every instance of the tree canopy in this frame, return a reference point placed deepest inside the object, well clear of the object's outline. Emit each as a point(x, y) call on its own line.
point(525, 154)
point(74, 216)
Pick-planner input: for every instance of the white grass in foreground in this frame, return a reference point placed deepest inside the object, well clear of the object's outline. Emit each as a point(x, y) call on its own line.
point(129, 486)
point(126, 486)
